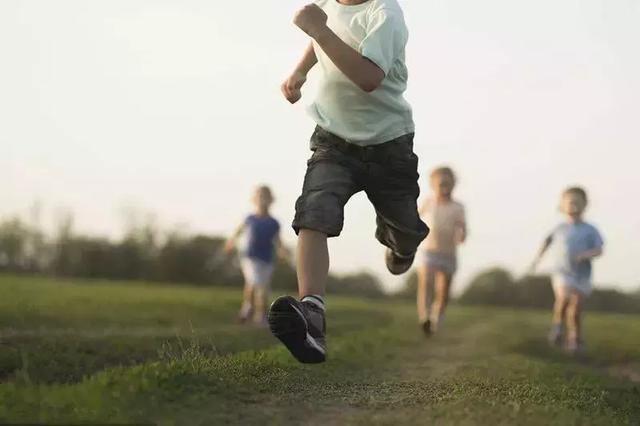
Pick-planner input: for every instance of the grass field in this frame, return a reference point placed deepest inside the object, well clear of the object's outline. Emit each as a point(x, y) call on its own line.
point(96, 352)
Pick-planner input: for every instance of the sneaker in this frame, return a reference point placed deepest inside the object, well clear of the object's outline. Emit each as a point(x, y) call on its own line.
point(397, 264)
point(556, 335)
point(301, 327)
point(426, 328)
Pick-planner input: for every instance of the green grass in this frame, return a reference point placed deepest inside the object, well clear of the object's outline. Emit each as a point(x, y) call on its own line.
point(96, 352)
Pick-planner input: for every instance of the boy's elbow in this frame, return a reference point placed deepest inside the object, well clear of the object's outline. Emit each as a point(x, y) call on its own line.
point(372, 83)
point(368, 86)
point(371, 76)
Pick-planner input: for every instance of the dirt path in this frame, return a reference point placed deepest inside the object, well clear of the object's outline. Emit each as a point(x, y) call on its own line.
point(419, 364)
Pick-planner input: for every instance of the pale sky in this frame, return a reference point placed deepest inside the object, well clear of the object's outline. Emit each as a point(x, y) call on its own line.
point(174, 107)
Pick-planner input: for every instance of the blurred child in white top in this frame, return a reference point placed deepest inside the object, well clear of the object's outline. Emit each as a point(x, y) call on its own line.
point(438, 265)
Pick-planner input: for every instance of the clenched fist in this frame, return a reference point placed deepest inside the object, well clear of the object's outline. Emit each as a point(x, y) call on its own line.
point(291, 87)
point(311, 19)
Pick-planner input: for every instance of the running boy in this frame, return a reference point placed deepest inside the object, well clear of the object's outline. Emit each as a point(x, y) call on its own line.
point(448, 229)
point(257, 259)
point(363, 142)
point(576, 243)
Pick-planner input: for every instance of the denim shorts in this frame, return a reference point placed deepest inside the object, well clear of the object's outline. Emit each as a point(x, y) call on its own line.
point(387, 173)
point(445, 262)
point(567, 282)
point(256, 272)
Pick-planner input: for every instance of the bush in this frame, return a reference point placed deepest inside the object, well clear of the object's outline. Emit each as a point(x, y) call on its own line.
point(141, 255)
point(362, 284)
point(497, 287)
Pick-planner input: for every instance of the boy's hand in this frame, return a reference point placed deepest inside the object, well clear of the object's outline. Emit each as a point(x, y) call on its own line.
point(284, 254)
point(311, 19)
point(292, 85)
point(229, 246)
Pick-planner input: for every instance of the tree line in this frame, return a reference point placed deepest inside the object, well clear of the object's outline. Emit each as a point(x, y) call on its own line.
point(144, 253)
point(147, 253)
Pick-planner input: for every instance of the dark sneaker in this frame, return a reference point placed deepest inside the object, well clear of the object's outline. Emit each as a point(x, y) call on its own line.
point(397, 264)
point(301, 327)
point(426, 328)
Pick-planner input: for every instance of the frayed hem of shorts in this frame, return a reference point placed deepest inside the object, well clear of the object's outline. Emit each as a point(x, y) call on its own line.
point(329, 233)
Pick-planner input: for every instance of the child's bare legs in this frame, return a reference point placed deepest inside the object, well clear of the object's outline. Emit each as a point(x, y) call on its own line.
point(442, 286)
point(312, 262)
point(260, 297)
point(300, 324)
point(247, 303)
point(561, 301)
point(574, 320)
point(560, 305)
point(424, 293)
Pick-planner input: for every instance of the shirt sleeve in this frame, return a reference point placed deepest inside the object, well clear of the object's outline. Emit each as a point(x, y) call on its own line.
point(386, 38)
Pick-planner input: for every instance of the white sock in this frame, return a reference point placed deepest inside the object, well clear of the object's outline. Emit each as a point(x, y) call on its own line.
point(315, 300)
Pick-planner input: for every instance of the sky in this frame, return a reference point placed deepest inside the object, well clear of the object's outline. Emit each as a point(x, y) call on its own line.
point(173, 107)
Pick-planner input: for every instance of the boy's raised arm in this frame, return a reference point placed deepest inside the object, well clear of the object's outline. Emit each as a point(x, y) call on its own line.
point(291, 88)
point(364, 73)
point(541, 252)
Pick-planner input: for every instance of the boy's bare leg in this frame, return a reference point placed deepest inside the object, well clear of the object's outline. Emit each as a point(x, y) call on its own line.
point(247, 303)
point(559, 306)
point(424, 293)
point(561, 301)
point(260, 303)
point(442, 285)
point(574, 323)
point(300, 324)
point(312, 262)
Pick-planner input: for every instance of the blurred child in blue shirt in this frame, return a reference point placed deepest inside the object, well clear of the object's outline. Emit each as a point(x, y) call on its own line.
point(575, 244)
point(257, 257)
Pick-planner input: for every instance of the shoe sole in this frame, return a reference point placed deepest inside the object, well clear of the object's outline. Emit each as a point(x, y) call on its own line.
point(289, 326)
point(398, 269)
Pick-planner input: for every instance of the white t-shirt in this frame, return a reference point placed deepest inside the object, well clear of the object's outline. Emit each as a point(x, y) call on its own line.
point(447, 221)
point(376, 29)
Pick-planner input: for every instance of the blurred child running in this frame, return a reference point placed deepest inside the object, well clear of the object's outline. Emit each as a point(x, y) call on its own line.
point(576, 243)
point(257, 258)
point(438, 263)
